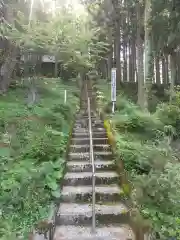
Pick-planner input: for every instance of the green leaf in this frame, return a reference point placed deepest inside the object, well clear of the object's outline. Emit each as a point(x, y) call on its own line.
point(56, 194)
point(52, 185)
point(57, 174)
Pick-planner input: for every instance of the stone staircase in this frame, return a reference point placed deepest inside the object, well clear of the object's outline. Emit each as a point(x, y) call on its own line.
point(74, 217)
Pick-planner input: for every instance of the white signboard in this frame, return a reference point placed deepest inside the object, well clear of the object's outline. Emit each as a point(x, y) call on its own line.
point(47, 58)
point(113, 84)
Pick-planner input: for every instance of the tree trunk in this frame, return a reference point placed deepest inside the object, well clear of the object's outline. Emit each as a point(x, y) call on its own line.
point(158, 81)
point(173, 74)
point(117, 40)
point(140, 68)
point(125, 38)
point(124, 61)
point(32, 94)
point(110, 55)
point(7, 69)
point(9, 61)
point(117, 53)
point(163, 70)
point(167, 69)
point(103, 68)
point(56, 68)
point(148, 51)
point(133, 59)
point(165, 74)
point(124, 57)
point(109, 65)
point(178, 68)
point(130, 61)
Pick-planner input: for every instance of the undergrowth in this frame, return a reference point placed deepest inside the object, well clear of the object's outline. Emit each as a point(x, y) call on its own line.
point(32, 146)
point(144, 143)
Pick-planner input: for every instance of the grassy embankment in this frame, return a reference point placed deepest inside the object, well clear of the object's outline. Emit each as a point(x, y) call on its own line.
point(144, 143)
point(32, 146)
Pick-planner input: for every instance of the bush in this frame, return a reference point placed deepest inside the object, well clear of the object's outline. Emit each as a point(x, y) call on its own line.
point(160, 199)
point(169, 115)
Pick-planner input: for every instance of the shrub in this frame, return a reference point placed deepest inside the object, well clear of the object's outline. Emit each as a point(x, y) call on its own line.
point(169, 115)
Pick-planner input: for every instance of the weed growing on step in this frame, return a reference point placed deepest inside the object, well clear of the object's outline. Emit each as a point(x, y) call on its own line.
point(32, 147)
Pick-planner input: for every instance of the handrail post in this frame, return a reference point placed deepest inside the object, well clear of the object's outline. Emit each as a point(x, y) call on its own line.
point(93, 170)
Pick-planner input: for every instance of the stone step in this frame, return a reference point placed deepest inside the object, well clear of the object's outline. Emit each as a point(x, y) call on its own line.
point(99, 134)
point(75, 211)
point(81, 141)
point(80, 116)
point(97, 125)
point(85, 123)
point(86, 120)
point(86, 130)
point(84, 110)
point(81, 214)
point(69, 232)
point(102, 155)
point(78, 126)
point(85, 178)
point(80, 166)
point(86, 148)
point(104, 193)
point(37, 236)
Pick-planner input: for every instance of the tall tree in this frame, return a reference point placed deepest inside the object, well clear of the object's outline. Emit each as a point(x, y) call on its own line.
point(148, 63)
point(140, 52)
point(117, 39)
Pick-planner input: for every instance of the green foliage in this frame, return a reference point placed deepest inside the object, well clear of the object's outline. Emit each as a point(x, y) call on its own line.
point(169, 113)
point(131, 118)
point(161, 192)
point(66, 36)
point(144, 144)
point(32, 151)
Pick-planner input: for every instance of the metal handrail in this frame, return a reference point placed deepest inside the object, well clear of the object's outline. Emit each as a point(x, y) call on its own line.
point(93, 170)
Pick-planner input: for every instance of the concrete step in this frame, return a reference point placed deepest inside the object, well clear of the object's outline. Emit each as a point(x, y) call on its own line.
point(37, 236)
point(81, 141)
point(69, 232)
point(86, 148)
point(85, 134)
point(85, 178)
point(81, 214)
point(80, 166)
point(84, 110)
point(85, 124)
point(78, 126)
point(85, 116)
point(86, 120)
point(75, 211)
point(86, 130)
point(104, 193)
point(102, 155)
point(97, 124)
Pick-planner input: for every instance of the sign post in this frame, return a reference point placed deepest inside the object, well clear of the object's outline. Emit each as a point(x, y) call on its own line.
point(65, 96)
point(113, 88)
